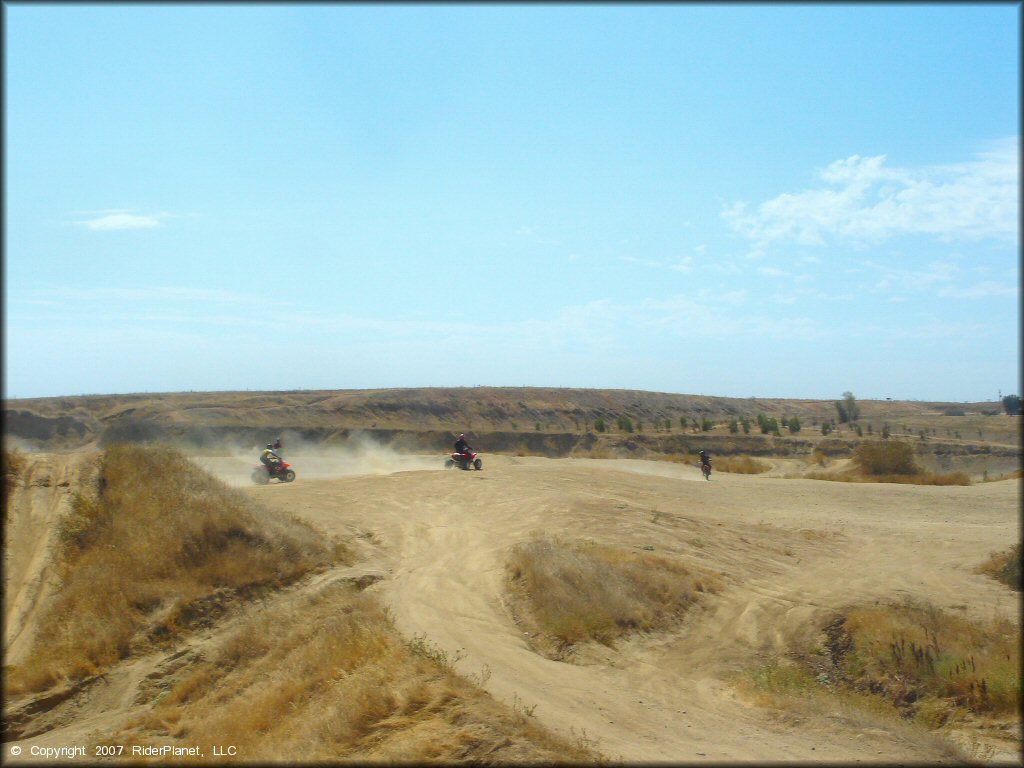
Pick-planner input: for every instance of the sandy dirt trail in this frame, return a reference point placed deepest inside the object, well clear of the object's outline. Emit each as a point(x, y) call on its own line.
point(788, 551)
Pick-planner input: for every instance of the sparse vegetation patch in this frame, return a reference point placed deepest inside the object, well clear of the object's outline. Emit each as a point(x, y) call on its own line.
point(888, 461)
point(1005, 567)
point(908, 661)
point(155, 546)
point(330, 679)
point(572, 593)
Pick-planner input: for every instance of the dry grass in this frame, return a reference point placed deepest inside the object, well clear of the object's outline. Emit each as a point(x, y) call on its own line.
point(888, 461)
point(908, 662)
point(923, 478)
point(913, 652)
point(794, 694)
point(329, 679)
point(155, 547)
point(740, 465)
point(580, 592)
point(1004, 567)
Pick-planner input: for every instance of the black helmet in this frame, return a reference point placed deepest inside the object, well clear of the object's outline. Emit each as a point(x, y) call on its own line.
point(270, 446)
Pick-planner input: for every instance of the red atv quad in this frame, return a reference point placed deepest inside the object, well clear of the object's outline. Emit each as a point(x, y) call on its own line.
point(282, 470)
point(466, 460)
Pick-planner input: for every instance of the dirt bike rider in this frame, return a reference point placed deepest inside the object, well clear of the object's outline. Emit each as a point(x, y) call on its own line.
point(705, 458)
point(462, 447)
point(269, 459)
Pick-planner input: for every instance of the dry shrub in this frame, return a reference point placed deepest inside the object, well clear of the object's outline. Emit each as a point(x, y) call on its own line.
point(1004, 567)
point(157, 546)
point(579, 592)
point(328, 678)
point(885, 457)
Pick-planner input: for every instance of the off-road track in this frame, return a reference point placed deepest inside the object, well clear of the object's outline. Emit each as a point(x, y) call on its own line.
point(788, 553)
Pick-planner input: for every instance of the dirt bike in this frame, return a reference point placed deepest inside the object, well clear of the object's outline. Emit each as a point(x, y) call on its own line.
point(463, 460)
point(706, 469)
point(282, 470)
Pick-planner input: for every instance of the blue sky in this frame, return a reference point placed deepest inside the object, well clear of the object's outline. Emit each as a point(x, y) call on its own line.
point(737, 200)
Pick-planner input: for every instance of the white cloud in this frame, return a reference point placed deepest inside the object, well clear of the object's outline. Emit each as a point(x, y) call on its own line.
point(106, 295)
point(893, 278)
point(864, 200)
point(985, 290)
point(684, 264)
point(115, 220)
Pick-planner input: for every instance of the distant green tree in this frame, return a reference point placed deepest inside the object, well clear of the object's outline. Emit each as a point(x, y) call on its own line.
point(745, 423)
point(886, 432)
point(599, 425)
point(734, 426)
point(841, 411)
point(625, 424)
point(1011, 404)
point(763, 423)
point(793, 424)
point(826, 427)
point(852, 408)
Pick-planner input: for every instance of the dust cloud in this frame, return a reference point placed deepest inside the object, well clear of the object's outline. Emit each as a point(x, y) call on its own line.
point(233, 465)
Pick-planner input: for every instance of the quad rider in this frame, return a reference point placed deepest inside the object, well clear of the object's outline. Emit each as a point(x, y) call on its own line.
point(462, 447)
point(269, 459)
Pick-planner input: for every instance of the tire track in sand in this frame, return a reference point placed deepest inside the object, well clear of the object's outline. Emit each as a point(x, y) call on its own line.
point(443, 537)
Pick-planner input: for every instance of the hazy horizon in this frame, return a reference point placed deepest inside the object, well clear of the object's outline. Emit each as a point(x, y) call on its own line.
point(994, 399)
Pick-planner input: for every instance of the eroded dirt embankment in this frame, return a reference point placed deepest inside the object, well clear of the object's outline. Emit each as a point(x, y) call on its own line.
point(39, 498)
